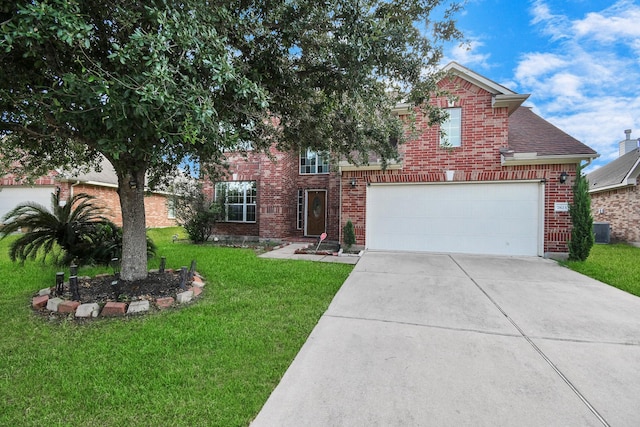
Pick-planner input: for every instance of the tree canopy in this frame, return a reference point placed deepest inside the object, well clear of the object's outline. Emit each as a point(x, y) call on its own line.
point(158, 84)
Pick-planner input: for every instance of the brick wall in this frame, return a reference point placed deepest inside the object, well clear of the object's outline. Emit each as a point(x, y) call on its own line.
point(484, 132)
point(156, 210)
point(155, 205)
point(278, 181)
point(557, 225)
point(621, 209)
point(9, 180)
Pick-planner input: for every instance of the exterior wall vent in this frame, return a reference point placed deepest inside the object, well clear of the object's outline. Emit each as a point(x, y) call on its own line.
point(602, 230)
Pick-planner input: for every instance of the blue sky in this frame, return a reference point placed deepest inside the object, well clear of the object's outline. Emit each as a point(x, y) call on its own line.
point(579, 60)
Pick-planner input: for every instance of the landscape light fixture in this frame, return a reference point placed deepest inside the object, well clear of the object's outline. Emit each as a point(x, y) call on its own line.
point(563, 177)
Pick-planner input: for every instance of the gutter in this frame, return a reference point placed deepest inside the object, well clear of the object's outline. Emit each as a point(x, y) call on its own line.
point(519, 159)
point(345, 166)
point(624, 184)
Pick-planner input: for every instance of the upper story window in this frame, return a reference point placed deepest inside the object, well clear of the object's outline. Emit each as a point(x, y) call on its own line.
point(451, 129)
point(171, 209)
point(239, 198)
point(312, 162)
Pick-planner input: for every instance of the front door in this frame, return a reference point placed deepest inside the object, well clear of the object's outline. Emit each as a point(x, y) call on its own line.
point(316, 223)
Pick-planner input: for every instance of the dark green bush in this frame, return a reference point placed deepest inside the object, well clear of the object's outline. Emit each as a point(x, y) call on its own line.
point(78, 229)
point(108, 245)
point(348, 235)
point(582, 237)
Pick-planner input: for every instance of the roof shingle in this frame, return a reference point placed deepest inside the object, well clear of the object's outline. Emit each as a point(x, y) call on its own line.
point(615, 173)
point(530, 133)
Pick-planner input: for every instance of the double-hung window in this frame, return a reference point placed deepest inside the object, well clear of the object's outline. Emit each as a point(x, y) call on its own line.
point(451, 129)
point(171, 209)
point(239, 199)
point(312, 162)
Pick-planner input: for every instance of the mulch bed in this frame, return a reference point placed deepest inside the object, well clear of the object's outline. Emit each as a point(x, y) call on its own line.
point(156, 285)
point(99, 290)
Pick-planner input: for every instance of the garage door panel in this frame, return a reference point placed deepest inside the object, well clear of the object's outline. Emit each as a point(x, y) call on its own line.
point(494, 218)
point(10, 197)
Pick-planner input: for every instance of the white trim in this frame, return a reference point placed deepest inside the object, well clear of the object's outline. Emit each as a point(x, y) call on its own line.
point(345, 166)
point(497, 181)
point(632, 171)
point(629, 183)
point(525, 159)
point(541, 217)
point(475, 78)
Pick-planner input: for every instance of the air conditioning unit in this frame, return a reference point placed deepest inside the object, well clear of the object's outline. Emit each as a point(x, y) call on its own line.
point(602, 231)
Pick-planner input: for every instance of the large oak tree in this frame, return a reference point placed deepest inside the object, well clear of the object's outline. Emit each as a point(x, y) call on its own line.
point(158, 84)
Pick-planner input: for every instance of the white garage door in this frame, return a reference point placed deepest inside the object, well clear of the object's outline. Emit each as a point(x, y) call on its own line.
point(483, 218)
point(10, 197)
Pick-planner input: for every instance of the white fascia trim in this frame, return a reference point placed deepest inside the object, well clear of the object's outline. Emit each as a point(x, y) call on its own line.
point(512, 102)
point(632, 171)
point(402, 108)
point(624, 184)
point(510, 181)
point(477, 79)
point(345, 166)
point(527, 159)
point(99, 184)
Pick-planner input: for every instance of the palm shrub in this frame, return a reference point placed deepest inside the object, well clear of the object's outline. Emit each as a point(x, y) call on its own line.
point(77, 228)
point(582, 238)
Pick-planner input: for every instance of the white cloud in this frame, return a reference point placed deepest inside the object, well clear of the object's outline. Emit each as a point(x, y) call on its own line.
point(616, 23)
point(553, 25)
point(583, 72)
point(586, 83)
point(468, 54)
point(535, 66)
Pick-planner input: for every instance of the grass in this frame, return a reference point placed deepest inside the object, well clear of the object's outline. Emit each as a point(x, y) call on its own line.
point(213, 363)
point(618, 265)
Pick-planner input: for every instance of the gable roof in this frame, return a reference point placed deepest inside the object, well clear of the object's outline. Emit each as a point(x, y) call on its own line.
point(532, 139)
point(105, 178)
point(622, 172)
point(502, 96)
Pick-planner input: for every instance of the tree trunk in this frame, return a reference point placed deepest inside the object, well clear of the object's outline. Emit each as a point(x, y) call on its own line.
point(134, 233)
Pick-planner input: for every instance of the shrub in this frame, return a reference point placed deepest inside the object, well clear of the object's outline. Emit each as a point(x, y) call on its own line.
point(348, 235)
point(73, 227)
point(582, 238)
point(194, 211)
point(108, 245)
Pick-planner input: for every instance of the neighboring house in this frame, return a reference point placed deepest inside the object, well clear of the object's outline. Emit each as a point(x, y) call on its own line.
point(103, 185)
point(500, 185)
point(615, 195)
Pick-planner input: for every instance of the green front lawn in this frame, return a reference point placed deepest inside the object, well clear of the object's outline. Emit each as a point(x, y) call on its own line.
point(618, 265)
point(213, 363)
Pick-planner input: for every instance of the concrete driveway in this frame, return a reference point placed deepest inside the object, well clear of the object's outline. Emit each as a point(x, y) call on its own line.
point(451, 340)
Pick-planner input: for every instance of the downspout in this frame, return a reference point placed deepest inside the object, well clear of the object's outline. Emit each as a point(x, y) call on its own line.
point(589, 160)
point(71, 189)
point(340, 207)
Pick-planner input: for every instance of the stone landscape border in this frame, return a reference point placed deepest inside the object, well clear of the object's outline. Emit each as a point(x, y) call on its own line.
point(44, 301)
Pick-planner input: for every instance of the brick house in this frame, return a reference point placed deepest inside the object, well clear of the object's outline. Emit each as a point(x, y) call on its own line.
point(615, 195)
point(103, 185)
point(498, 181)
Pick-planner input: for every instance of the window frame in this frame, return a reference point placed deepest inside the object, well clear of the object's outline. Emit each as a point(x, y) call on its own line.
point(248, 192)
point(171, 208)
point(300, 210)
point(318, 160)
point(451, 129)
